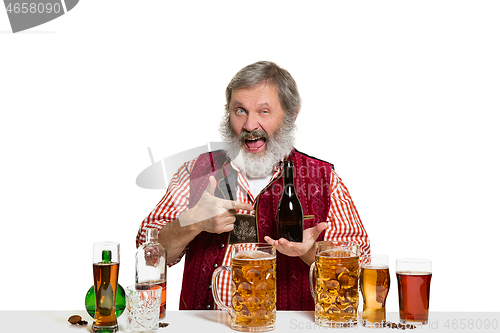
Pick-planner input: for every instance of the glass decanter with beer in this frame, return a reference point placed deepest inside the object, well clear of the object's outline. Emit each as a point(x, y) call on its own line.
point(151, 265)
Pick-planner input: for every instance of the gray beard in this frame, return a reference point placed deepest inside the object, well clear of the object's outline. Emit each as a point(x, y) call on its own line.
point(259, 165)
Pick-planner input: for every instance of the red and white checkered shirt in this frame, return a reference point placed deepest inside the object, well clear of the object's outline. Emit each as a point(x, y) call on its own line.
point(343, 220)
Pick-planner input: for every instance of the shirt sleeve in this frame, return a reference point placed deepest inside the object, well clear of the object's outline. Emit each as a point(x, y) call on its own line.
point(343, 220)
point(171, 206)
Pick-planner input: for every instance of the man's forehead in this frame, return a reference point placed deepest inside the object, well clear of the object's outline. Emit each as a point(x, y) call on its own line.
point(261, 95)
point(236, 102)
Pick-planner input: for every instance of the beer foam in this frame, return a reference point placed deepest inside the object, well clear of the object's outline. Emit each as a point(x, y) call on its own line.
point(413, 273)
point(254, 255)
point(376, 266)
point(337, 253)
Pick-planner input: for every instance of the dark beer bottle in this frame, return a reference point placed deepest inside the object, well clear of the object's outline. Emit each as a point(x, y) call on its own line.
point(289, 216)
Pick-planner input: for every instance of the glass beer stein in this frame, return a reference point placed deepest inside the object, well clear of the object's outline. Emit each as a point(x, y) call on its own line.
point(253, 287)
point(333, 279)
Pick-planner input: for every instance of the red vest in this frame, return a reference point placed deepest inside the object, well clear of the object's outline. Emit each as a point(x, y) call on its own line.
point(206, 251)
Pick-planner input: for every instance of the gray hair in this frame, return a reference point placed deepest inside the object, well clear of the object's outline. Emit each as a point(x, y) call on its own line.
point(268, 72)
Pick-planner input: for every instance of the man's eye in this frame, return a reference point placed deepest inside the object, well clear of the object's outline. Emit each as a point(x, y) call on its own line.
point(240, 111)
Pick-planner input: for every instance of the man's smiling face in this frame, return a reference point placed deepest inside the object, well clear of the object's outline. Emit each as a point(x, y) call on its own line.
point(255, 115)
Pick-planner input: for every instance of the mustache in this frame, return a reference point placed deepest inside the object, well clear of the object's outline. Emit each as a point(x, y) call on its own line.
point(253, 134)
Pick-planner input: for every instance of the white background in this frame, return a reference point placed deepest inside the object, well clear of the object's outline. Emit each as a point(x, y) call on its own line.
point(403, 97)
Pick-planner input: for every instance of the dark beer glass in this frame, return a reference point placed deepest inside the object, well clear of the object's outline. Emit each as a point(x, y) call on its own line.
point(414, 286)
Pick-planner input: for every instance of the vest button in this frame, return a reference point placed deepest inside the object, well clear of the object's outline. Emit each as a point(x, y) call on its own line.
point(209, 307)
point(215, 265)
point(222, 245)
point(210, 287)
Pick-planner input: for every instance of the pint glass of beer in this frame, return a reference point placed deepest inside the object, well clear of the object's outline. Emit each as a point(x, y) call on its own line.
point(414, 285)
point(253, 287)
point(375, 282)
point(333, 279)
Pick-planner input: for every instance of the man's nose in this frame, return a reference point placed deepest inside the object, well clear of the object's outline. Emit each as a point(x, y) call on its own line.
point(252, 123)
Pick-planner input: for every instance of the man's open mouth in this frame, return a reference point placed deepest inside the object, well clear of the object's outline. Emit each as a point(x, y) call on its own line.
point(255, 143)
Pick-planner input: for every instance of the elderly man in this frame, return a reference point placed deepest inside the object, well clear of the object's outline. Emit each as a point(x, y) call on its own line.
point(197, 215)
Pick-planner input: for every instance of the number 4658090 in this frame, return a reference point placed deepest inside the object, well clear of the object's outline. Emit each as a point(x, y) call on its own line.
point(32, 8)
point(472, 324)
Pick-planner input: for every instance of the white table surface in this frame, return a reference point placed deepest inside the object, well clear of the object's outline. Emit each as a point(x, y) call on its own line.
point(218, 321)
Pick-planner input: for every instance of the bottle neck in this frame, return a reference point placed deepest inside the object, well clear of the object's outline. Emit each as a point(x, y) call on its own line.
point(106, 256)
point(151, 235)
point(288, 180)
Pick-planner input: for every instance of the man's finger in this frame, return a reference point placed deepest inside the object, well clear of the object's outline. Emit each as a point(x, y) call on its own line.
point(283, 242)
point(228, 227)
point(230, 219)
point(269, 240)
point(320, 227)
point(212, 185)
point(235, 205)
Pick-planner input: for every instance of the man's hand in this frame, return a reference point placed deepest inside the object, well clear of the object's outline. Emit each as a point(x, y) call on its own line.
point(212, 214)
point(305, 249)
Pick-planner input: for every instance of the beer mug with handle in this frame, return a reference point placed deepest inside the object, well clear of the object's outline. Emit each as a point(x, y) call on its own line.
point(253, 287)
point(333, 279)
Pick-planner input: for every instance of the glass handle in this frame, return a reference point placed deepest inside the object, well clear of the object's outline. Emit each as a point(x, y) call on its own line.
point(215, 290)
point(311, 279)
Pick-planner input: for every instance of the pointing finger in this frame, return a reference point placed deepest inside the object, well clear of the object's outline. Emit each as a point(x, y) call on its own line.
point(212, 184)
point(237, 205)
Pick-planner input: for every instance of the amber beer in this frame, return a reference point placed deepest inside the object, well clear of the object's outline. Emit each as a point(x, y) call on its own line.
point(106, 262)
point(414, 284)
point(375, 283)
point(336, 285)
point(253, 288)
point(105, 284)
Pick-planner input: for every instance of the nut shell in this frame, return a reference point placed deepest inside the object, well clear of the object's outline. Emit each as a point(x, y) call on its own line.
point(74, 319)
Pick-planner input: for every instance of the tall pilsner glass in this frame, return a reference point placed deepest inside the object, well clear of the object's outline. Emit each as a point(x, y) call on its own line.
point(106, 264)
point(375, 282)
